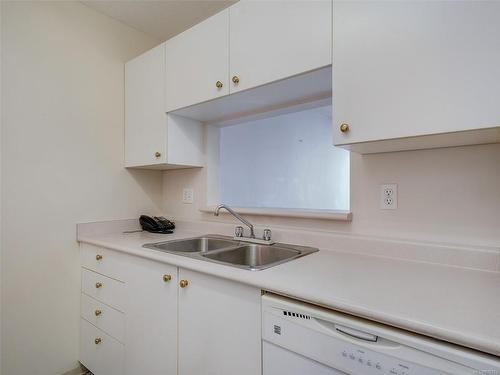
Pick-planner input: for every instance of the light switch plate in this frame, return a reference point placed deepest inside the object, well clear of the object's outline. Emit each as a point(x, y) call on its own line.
point(389, 196)
point(187, 195)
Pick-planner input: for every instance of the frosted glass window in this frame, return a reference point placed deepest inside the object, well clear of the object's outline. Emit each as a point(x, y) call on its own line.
point(286, 161)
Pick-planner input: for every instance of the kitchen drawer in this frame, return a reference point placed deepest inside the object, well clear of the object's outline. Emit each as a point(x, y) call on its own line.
point(103, 261)
point(99, 352)
point(103, 289)
point(103, 317)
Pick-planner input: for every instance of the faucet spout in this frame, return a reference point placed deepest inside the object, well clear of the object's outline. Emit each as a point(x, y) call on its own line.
point(236, 215)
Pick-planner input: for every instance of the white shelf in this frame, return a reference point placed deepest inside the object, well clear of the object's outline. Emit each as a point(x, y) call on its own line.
point(303, 88)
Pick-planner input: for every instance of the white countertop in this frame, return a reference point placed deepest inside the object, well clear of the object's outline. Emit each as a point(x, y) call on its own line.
point(454, 304)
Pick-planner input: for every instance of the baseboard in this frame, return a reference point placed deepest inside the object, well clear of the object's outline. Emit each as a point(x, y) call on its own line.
point(80, 370)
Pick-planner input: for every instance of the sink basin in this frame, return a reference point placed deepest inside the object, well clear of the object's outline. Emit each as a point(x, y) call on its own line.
point(225, 250)
point(193, 245)
point(257, 257)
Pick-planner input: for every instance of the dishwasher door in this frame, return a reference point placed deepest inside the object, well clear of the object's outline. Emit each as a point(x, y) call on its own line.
point(302, 339)
point(279, 361)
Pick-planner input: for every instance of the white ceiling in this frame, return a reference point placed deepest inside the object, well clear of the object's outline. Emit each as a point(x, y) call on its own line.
point(160, 18)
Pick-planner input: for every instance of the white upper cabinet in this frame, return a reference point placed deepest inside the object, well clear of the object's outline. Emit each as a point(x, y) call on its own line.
point(272, 40)
point(198, 63)
point(145, 118)
point(404, 73)
point(154, 139)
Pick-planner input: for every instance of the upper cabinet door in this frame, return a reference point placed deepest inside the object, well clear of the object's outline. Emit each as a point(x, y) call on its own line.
point(272, 40)
point(145, 118)
point(414, 68)
point(198, 63)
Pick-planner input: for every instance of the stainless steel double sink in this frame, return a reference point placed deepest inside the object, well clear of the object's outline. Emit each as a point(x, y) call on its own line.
point(225, 250)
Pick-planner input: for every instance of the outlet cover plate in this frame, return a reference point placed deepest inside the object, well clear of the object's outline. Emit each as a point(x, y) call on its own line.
point(187, 195)
point(389, 196)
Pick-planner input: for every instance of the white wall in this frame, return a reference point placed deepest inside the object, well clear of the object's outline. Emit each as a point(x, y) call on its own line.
point(1, 224)
point(62, 156)
point(450, 195)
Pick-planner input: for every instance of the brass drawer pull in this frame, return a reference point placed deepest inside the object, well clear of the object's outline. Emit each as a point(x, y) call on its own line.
point(98, 285)
point(167, 278)
point(98, 340)
point(98, 257)
point(183, 283)
point(98, 312)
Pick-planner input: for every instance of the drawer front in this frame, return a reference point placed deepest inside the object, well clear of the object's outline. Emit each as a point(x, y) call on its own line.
point(104, 261)
point(104, 289)
point(103, 357)
point(103, 317)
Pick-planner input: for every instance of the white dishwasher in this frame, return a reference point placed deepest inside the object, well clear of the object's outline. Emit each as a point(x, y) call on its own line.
point(301, 339)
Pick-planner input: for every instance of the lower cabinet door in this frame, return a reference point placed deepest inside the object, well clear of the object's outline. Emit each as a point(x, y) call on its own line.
point(151, 319)
point(99, 352)
point(219, 326)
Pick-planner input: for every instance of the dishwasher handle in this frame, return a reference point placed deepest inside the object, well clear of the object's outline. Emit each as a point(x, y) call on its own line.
point(356, 333)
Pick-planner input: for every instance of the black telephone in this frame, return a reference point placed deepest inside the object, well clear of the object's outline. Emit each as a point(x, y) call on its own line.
point(156, 224)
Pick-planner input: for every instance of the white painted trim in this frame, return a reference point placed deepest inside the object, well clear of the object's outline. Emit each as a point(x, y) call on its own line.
point(80, 370)
point(339, 215)
point(420, 142)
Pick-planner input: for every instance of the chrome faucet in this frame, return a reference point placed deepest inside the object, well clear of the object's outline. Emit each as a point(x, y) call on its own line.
point(237, 216)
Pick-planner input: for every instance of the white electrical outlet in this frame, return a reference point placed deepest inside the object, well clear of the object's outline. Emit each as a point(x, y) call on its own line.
point(389, 196)
point(187, 195)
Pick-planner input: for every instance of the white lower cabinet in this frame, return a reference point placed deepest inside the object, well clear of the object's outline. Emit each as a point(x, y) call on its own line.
point(99, 352)
point(219, 326)
point(103, 261)
point(104, 317)
point(161, 320)
point(151, 323)
point(104, 289)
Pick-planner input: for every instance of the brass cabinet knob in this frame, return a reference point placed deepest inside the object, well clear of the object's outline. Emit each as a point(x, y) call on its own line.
point(183, 283)
point(236, 80)
point(97, 312)
point(344, 128)
point(98, 257)
point(218, 84)
point(98, 340)
point(167, 278)
point(98, 285)
point(157, 154)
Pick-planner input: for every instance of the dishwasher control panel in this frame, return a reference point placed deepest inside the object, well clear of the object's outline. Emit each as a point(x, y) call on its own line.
point(368, 362)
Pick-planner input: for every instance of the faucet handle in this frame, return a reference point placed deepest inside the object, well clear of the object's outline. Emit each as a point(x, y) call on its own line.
point(267, 235)
point(238, 231)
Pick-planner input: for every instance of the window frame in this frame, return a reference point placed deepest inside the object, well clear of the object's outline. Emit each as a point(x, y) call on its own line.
point(212, 196)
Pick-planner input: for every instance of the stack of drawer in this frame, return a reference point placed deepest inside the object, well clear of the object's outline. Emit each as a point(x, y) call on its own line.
point(102, 323)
